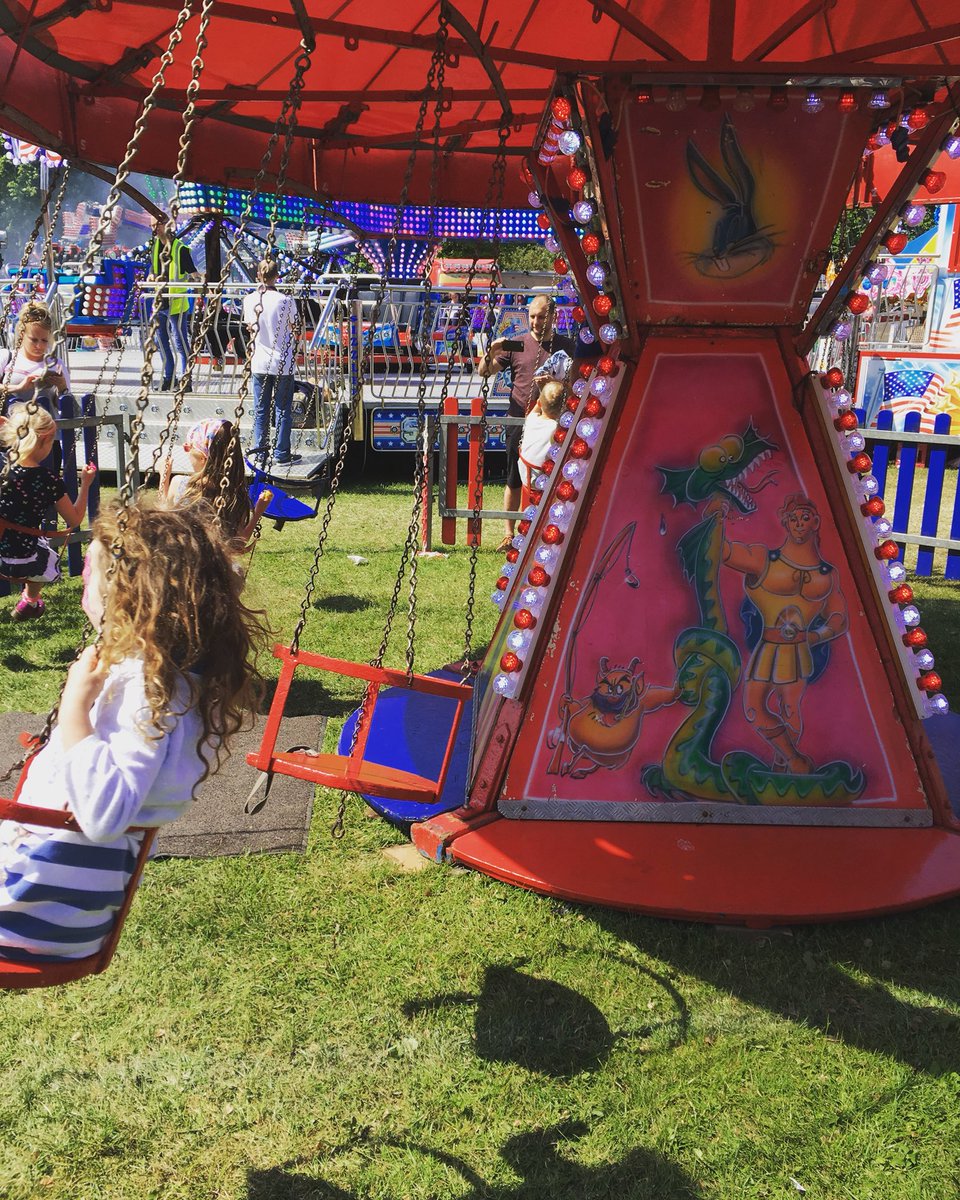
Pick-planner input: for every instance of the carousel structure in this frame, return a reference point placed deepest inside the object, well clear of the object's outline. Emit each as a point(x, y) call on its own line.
point(707, 691)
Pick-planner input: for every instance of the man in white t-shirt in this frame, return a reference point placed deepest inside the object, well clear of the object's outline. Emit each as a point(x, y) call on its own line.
point(275, 336)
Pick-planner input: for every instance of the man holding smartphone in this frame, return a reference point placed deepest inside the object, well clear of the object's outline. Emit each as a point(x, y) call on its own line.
point(523, 357)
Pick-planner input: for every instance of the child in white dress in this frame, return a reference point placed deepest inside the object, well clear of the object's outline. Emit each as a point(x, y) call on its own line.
point(144, 718)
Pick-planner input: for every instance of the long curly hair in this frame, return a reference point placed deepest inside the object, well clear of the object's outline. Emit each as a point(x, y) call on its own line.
point(173, 600)
point(224, 458)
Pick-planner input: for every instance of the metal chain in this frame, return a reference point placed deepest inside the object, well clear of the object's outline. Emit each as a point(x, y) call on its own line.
point(291, 107)
point(494, 205)
point(357, 382)
point(408, 559)
point(168, 432)
point(13, 453)
point(96, 241)
point(436, 65)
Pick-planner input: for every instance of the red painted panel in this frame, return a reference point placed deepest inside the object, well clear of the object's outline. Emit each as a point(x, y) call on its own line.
point(709, 647)
point(725, 215)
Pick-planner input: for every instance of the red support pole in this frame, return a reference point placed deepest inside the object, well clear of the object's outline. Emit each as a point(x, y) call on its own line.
point(474, 527)
point(448, 525)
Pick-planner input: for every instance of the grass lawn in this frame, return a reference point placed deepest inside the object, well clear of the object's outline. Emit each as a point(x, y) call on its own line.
point(330, 1026)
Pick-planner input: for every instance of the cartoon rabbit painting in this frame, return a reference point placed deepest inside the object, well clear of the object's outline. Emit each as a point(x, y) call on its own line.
point(739, 244)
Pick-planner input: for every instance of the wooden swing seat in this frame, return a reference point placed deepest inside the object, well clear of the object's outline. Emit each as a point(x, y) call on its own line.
point(352, 772)
point(66, 970)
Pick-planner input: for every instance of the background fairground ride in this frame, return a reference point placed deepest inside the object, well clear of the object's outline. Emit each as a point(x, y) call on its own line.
point(110, 308)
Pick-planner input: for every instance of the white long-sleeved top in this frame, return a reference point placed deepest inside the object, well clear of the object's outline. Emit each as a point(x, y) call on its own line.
point(59, 890)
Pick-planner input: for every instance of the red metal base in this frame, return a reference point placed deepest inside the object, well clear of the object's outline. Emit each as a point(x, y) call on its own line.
point(756, 875)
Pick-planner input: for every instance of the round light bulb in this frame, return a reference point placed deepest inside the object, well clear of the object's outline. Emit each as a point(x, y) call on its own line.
point(937, 705)
point(569, 141)
point(597, 274)
point(580, 387)
point(573, 471)
point(855, 442)
point(600, 385)
point(586, 335)
point(910, 614)
point(583, 211)
point(551, 244)
point(546, 556)
point(869, 486)
point(505, 685)
point(589, 430)
point(925, 660)
point(566, 420)
point(609, 332)
point(533, 199)
point(896, 572)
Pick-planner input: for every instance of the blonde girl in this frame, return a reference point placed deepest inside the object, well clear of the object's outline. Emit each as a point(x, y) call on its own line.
point(25, 497)
point(31, 371)
point(143, 720)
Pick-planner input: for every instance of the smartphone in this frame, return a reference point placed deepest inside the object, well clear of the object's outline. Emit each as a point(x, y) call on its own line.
point(513, 345)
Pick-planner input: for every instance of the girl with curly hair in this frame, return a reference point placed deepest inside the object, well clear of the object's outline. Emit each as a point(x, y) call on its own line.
point(145, 716)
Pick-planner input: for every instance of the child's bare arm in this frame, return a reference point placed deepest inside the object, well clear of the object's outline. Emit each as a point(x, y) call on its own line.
point(72, 510)
point(261, 506)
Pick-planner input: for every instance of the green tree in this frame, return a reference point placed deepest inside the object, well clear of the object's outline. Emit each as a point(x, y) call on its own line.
point(514, 256)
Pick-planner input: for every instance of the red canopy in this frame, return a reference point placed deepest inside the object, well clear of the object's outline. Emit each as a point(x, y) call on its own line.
point(73, 75)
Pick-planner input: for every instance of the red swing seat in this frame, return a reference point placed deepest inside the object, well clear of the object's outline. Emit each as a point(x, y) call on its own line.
point(352, 773)
point(66, 970)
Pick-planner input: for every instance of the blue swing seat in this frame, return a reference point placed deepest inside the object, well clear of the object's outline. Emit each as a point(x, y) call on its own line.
point(283, 507)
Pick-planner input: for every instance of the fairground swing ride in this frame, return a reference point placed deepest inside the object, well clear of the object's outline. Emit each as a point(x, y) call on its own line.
point(707, 692)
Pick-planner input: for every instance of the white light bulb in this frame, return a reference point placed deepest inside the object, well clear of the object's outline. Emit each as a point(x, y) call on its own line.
point(937, 705)
point(505, 685)
point(579, 388)
point(519, 640)
point(896, 572)
point(925, 660)
point(573, 470)
point(600, 385)
point(589, 430)
point(566, 420)
point(910, 614)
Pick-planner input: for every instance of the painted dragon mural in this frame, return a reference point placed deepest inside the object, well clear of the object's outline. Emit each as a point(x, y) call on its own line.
point(793, 608)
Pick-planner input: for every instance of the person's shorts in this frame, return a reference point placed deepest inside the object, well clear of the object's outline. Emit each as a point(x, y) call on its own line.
point(514, 434)
point(42, 567)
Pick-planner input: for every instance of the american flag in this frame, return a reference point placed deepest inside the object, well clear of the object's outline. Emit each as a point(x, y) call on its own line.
point(913, 390)
point(947, 337)
point(20, 152)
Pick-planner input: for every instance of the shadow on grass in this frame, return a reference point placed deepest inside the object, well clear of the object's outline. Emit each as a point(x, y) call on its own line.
point(539, 1157)
point(838, 979)
point(309, 697)
point(343, 603)
point(16, 662)
point(543, 1026)
point(536, 1023)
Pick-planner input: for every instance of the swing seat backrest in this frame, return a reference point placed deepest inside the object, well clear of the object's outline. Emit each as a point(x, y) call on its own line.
point(66, 970)
point(351, 772)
